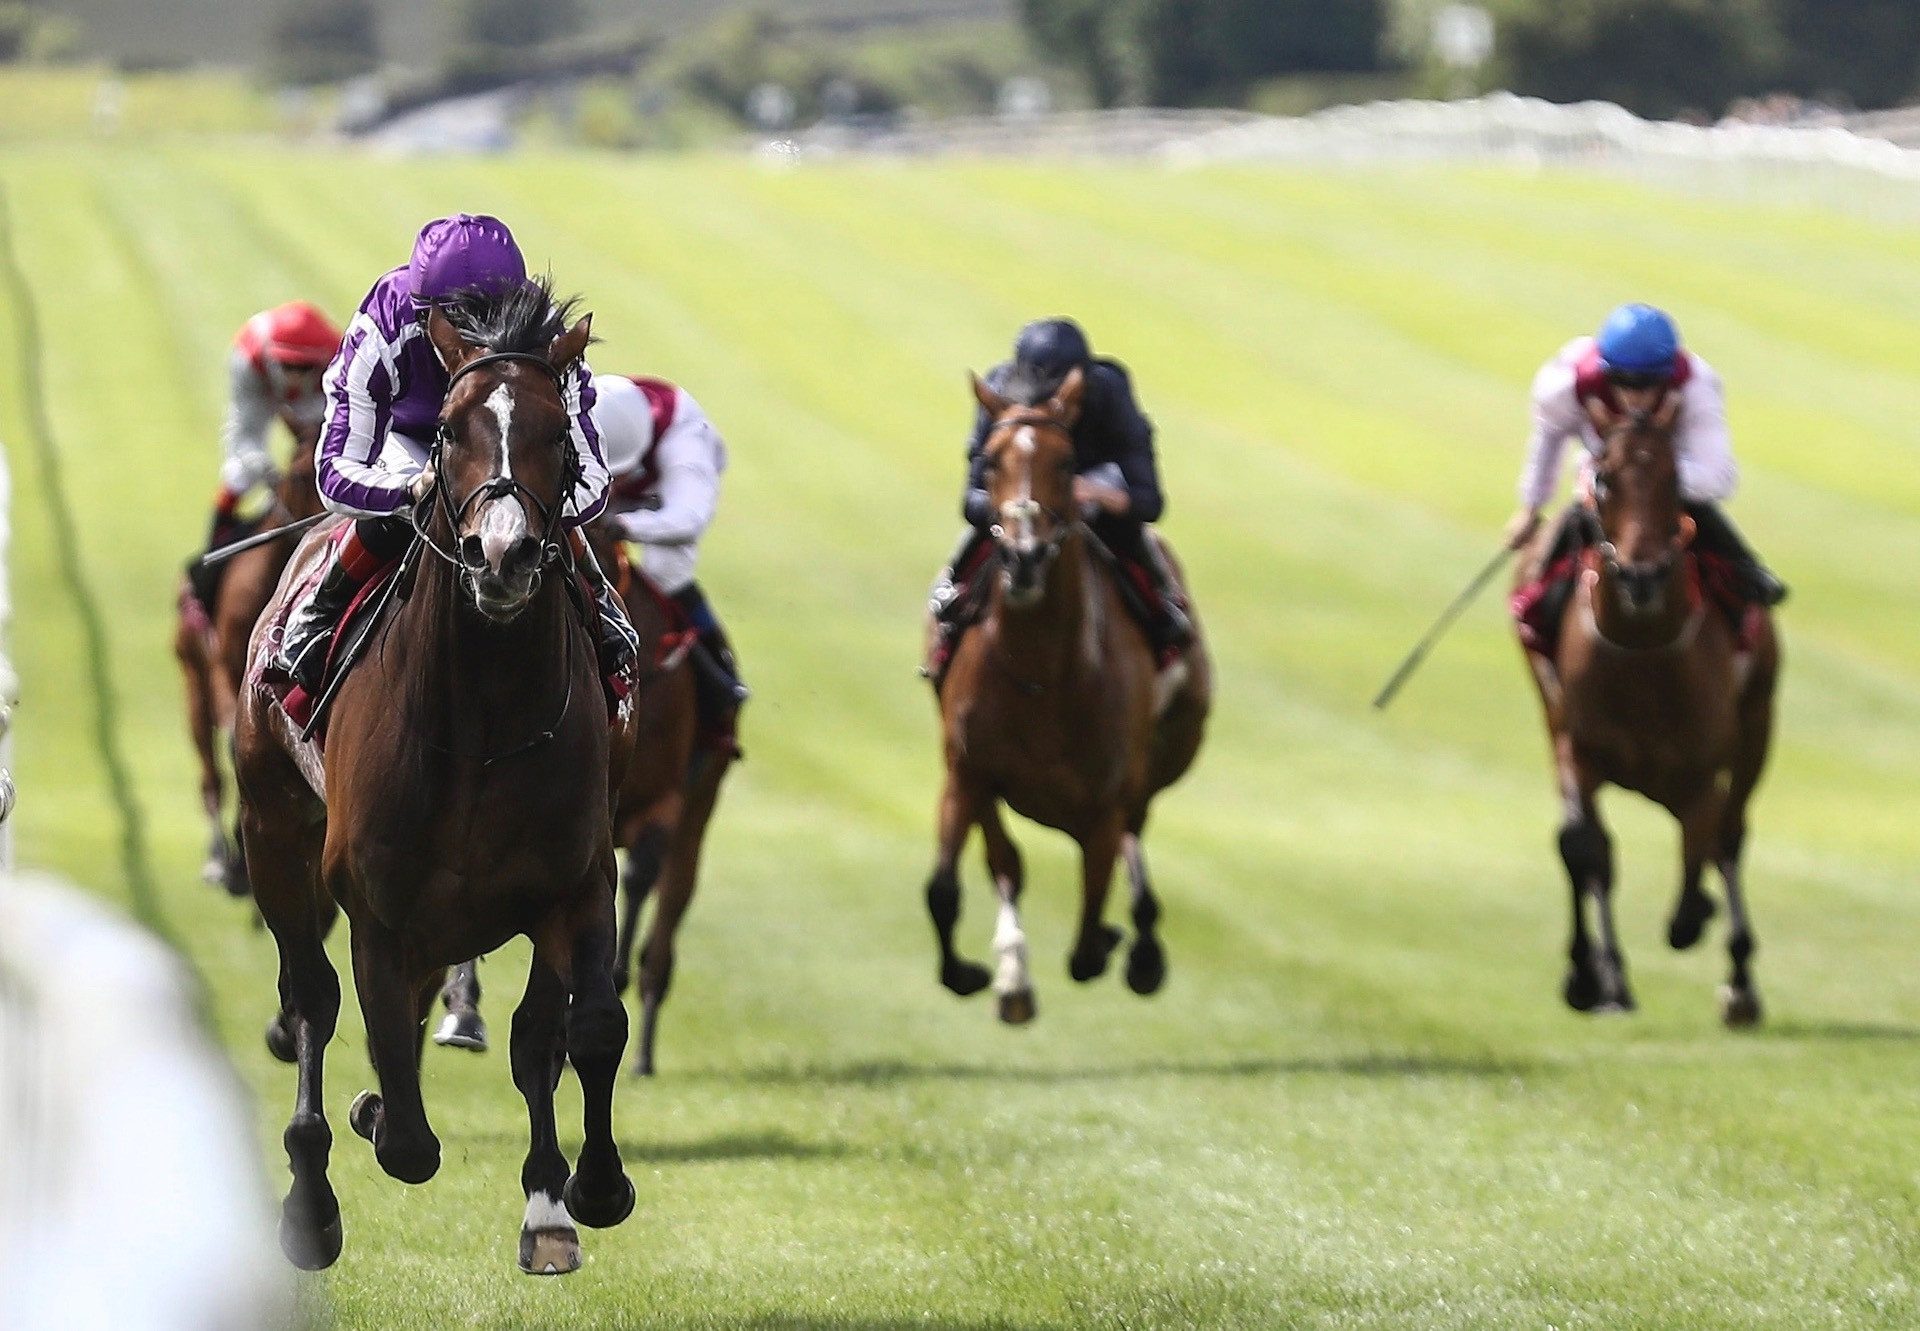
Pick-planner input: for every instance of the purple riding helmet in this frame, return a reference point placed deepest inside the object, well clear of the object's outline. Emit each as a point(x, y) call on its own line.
point(465, 250)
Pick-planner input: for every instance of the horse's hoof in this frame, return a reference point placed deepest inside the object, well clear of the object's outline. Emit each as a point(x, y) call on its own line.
point(462, 1030)
point(280, 1042)
point(1018, 1008)
point(1581, 989)
point(308, 1248)
point(1091, 963)
point(598, 1213)
point(1146, 967)
point(1612, 1007)
point(1739, 1008)
point(965, 978)
point(363, 1115)
point(1689, 922)
point(549, 1252)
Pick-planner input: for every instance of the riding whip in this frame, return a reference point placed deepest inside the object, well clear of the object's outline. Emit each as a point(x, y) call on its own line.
point(1440, 626)
point(226, 552)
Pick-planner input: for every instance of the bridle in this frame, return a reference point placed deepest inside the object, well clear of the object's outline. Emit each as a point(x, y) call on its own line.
point(1654, 572)
point(1063, 525)
point(497, 487)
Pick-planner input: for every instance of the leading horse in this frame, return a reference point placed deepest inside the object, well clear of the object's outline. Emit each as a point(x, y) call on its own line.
point(464, 799)
point(1652, 688)
point(1053, 704)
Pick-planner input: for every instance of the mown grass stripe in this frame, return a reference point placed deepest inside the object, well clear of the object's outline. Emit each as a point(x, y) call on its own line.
point(134, 863)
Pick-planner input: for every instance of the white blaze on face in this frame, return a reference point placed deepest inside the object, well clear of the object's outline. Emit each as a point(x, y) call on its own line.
point(502, 521)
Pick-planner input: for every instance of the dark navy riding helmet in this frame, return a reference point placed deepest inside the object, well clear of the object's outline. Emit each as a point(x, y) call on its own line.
point(1048, 350)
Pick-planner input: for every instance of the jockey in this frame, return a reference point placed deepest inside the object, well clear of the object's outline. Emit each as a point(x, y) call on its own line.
point(665, 458)
point(1117, 485)
point(384, 392)
point(1633, 363)
point(273, 373)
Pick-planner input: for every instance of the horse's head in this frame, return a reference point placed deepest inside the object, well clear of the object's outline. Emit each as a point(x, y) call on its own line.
point(502, 457)
point(1029, 478)
point(1636, 494)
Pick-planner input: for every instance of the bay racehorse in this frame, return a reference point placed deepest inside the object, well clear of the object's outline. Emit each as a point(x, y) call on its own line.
point(464, 799)
point(1652, 688)
point(210, 642)
point(660, 818)
point(1053, 704)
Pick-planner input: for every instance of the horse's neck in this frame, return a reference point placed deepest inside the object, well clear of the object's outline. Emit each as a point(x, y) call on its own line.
point(1046, 639)
point(470, 675)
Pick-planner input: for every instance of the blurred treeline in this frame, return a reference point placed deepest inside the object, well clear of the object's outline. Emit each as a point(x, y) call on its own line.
point(639, 72)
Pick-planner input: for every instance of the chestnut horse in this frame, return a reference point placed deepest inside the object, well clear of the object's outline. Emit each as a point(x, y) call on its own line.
point(1053, 704)
point(212, 650)
point(661, 819)
point(1652, 690)
point(465, 798)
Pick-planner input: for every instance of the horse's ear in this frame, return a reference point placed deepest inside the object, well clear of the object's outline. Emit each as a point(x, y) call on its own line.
point(1066, 399)
point(454, 350)
point(570, 346)
point(1603, 420)
point(1669, 409)
point(995, 405)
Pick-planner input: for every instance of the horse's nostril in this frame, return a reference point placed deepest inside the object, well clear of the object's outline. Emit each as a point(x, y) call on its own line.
point(521, 555)
point(473, 552)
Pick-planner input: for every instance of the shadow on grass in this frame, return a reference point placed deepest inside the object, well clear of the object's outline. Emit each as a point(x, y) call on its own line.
point(1843, 1031)
point(891, 1072)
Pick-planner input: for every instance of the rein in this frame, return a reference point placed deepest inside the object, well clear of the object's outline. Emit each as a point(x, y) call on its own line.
point(499, 487)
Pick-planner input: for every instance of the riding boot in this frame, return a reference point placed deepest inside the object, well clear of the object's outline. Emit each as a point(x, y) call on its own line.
point(224, 530)
point(1173, 629)
point(619, 644)
point(950, 605)
point(1716, 534)
point(1156, 596)
point(719, 692)
point(372, 544)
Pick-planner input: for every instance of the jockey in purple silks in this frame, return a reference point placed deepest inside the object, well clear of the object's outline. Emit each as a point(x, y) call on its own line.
point(384, 392)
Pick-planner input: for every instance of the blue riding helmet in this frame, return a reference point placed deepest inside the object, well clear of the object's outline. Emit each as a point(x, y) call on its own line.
point(1638, 340)
point(1048, 350)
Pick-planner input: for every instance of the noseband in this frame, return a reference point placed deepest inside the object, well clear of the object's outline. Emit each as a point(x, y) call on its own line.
point(496, 487)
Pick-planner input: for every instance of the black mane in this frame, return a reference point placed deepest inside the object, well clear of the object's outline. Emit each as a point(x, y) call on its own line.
point(526, 317)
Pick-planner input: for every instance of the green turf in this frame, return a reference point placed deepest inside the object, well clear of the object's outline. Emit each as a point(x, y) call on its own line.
point(1359, 1101)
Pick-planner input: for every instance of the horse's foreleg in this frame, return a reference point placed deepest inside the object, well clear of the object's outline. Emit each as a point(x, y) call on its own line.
point(599, 1194)
point(643, 871)
point(1097, 939)
point(1012, 984)
point(462, 1027)
point(549, 1243)
point(1739, 1000)
point(1596, 975)
point(943, 889)
point(1699, 837)
point(1146, 960)
point(395, 1120)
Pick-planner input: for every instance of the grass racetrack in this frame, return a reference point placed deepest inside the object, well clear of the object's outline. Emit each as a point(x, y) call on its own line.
point(1359, 1101)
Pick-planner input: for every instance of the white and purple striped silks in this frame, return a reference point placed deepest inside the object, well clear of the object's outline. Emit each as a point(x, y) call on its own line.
point(384, 393)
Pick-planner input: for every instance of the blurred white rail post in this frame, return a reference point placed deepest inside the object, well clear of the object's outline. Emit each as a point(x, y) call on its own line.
point(130, 1189)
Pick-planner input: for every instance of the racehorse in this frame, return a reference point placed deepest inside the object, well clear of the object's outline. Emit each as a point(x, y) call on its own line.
point(661, 817)
point(465, 798)
point(1653, 689)
point(210, 643)
point(1053, 704)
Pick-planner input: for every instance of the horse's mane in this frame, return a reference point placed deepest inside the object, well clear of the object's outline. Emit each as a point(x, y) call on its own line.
point(525, 317)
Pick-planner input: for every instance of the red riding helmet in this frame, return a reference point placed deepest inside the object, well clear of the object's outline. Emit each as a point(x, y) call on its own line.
point(295, 335)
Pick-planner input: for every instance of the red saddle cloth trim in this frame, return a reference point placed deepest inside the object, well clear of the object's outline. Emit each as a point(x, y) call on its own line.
point(1715, 578)
point(294, 700)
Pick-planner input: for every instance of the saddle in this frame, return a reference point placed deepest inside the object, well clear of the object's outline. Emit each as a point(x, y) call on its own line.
point(1540, 607)
point(363, 614)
